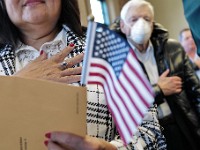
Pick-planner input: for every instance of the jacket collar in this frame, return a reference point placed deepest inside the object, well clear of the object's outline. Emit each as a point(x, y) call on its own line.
point(159, 32)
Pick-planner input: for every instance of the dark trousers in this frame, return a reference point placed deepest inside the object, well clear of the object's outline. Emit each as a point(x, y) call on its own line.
point(175, 138)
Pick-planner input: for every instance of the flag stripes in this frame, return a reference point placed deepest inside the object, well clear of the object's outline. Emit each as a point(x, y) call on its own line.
point(131, 113)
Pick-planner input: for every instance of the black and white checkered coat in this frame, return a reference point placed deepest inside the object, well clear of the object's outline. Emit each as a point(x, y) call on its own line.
point(99, 121)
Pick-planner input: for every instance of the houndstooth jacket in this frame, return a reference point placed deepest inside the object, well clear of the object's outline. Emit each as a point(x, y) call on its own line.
point(99, 121)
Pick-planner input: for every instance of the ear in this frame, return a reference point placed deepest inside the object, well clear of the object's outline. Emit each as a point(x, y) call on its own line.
point(122, 27)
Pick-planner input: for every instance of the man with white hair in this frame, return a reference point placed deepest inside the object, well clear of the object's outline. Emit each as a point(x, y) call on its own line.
point(176, 87)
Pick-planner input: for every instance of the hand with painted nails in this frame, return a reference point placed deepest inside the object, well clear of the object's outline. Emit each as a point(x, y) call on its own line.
point(69, 141)
point(53, 68)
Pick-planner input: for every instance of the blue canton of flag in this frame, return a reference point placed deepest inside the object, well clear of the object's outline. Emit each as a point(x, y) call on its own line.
point(111, 48)
point(110, 62)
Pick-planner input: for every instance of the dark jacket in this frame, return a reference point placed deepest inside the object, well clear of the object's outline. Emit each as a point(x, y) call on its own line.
point(185, 106)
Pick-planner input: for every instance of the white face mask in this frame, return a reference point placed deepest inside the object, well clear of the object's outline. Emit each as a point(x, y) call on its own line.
point(140, 31)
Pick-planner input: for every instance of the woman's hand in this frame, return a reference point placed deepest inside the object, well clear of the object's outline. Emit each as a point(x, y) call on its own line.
point(51, 69)
point(68, 141)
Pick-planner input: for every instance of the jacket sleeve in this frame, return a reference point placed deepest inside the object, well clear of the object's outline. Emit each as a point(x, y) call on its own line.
point(159, 96)
point(148, 136)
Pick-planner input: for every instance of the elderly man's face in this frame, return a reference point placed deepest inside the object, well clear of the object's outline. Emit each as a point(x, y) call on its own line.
point(134, 14)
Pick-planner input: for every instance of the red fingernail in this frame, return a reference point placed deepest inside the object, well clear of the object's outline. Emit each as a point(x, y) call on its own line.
point(48, 135)
point(46, 143)
point(71, 44)
point(41, 52)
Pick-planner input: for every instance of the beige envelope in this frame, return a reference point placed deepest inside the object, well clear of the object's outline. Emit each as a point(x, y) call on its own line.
point(31, 108)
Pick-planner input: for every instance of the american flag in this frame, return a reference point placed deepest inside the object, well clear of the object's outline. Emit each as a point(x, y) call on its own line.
point(110, 62)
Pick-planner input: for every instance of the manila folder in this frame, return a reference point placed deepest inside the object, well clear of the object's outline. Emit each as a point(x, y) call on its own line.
point(30, 108)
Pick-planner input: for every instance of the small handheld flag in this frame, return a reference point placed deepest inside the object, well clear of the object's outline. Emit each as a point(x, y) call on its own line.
point(110, 62)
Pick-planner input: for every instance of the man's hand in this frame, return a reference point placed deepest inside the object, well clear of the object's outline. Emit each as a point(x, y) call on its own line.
point(68, 141)
point(51, 69)
point(169, 85)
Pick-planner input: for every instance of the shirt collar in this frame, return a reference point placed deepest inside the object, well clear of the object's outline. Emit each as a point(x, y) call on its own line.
point(61, 37)
point(143, 56)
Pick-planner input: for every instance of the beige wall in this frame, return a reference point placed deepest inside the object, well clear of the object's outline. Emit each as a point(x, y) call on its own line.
point(170, 14)
point(167, 12)
point(83, 11)
point(114, 7)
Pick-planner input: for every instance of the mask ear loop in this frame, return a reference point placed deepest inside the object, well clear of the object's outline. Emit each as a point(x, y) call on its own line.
point(125, 22)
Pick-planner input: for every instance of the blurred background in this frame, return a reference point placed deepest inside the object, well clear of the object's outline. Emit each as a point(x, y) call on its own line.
point(167, 12)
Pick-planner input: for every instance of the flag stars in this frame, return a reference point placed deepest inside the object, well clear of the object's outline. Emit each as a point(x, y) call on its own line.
point(106, 50)
point(115, 41)
point(108, 32)
point(118, 40)
point(104, 56)
point(115, 47)
point(101, 46)
point(117, 74)
point(98, 41)
point(109, 44)
point(110, 54)
point(97, 48)
point(122, 45)
point(96, 54)
point(101, 51)
point(103, 40)
point(100, 29)
point(117, 63)
point(112, 42)
point(99, 35)
point(117, 69)
point(104, 33)
point(110, 38)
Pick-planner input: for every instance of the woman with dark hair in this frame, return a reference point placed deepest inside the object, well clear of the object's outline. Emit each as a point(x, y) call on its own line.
point(44, 39)
point(25, 28)
point(9, 32)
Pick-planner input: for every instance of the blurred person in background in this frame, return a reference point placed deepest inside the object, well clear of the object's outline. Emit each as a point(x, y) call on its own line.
point(191, 11)
point(187, 41)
